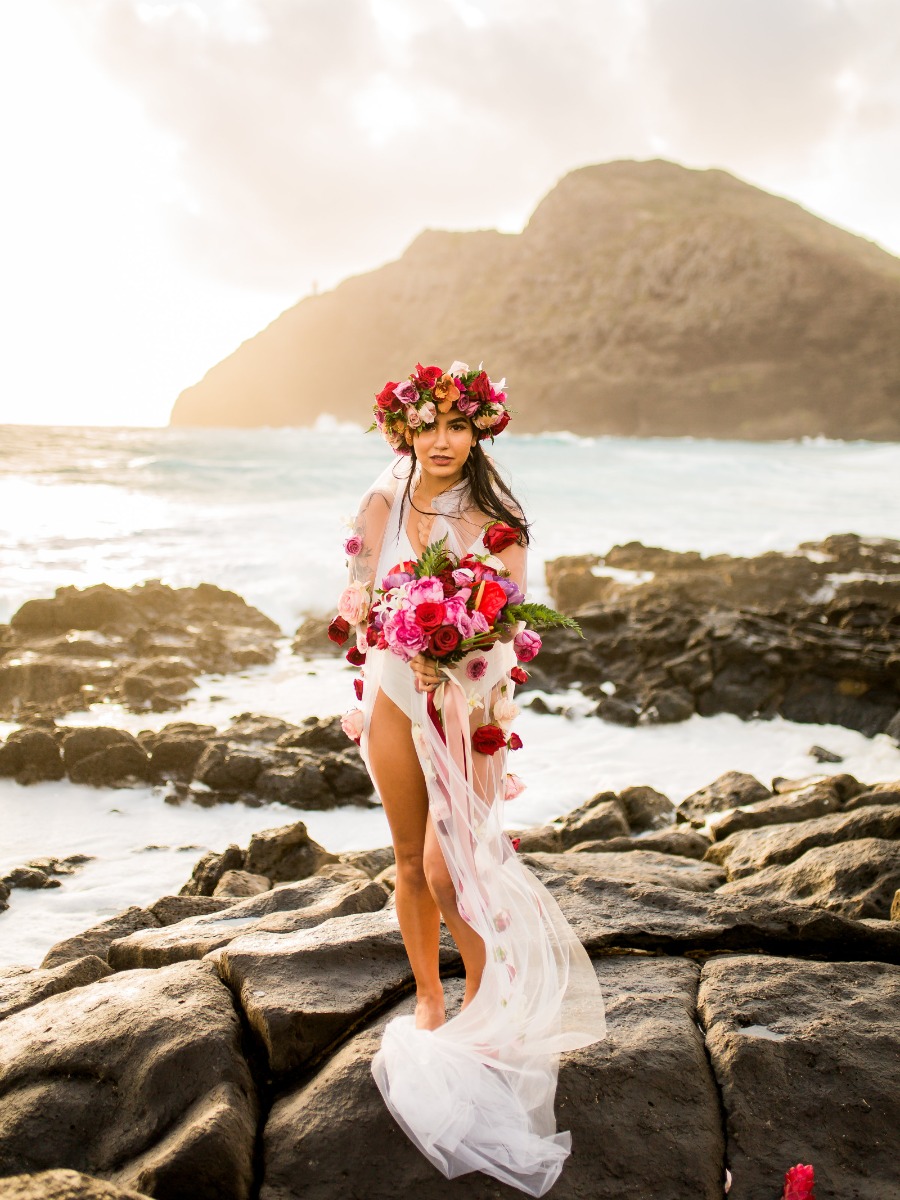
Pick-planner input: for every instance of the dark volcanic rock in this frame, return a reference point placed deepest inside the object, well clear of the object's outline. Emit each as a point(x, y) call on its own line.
point(814, 801)
point(63, 1185)
point(635, 866)
point(286, 908)
point(686, 842)
point(146, 646)
point(812, 636)
point(210, 869)
point(641, 1106)
point(857, 879)
point(646, 808)
point(100, 937)
point(805, 1054)
point(731, 790)
point(302, 991)
point(609, 913)
point(286, 853)
point(20, 987)
point(31, 755)
point(138, 1078)
point(752, 849)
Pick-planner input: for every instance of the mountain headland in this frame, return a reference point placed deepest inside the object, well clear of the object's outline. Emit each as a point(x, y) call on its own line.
point(641, 299)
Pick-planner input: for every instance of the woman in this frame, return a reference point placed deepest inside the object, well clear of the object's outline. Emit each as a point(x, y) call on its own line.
point(475, 1092)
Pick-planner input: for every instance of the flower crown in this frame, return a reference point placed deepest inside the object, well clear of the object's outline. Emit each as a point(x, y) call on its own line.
point(402, 408)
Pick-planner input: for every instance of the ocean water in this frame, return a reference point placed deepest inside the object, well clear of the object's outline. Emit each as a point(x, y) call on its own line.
point(261, 512)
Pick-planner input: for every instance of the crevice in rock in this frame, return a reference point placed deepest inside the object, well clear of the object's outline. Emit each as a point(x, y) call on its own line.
point(723, 1111)
point(254, 1056)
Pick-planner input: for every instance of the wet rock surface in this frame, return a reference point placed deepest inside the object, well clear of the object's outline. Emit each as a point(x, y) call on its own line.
point(788, 930)
point(812, 635)
point(138, 1078)
point(143, 646)
point(254, 760)
point(805, 1054)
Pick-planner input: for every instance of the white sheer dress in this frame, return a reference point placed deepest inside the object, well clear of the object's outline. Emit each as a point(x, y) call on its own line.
point(477, 1093)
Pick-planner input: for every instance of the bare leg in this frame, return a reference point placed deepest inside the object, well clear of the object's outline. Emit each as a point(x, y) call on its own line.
point(470, 944)
point(398, 777)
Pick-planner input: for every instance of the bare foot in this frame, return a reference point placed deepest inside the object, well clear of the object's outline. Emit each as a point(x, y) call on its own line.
point(429, 1011)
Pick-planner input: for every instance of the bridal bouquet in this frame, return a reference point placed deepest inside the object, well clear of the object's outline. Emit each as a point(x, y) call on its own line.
point(446, 607)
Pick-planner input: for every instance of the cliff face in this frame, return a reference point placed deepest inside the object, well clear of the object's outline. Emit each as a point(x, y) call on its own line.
point(641, 299)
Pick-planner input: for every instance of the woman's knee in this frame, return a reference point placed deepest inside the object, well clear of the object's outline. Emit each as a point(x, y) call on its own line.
point(438, 877)
point(411, 869)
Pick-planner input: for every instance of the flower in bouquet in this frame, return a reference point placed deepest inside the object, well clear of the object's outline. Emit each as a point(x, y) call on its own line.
point(514, 787)
point(403, 407)
point(339, 631)
point(352, 724)
point(505, 712)
point(353, 604)
point(527, 645)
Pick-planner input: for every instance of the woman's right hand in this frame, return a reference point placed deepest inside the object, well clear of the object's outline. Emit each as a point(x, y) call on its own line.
point(426, 673)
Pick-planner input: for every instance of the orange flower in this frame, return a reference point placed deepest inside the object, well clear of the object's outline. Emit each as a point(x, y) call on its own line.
point(446, 393)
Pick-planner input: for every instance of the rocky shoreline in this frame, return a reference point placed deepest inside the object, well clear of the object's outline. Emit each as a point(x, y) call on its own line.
point(813, 636)
point(217, 1042)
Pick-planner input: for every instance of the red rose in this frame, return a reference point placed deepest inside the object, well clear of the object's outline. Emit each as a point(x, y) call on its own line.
point(430, 615)
point(490, 599)
point(499, 425)
point(443, 641)
point(358, 688)
point(480, 388)
point(516, 843)
point(356, 657)
point(518, 675)
point(428, 375)
point(372, 636)
point(339, 631)
point(498, 536)
point(515, 742)
point(488, 739)
point(386, 400)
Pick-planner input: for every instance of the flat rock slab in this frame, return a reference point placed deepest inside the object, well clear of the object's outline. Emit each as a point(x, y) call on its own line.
point(806, 1057)
point(752, 849)
point(288, 907)
point(687, 843)
point(635, 866)
point(63, 1185)
point(857, 879)
point(609, 914)
point(20, 987)
point(303, 990)
point(138, 1078)
point(98, 939)
point(641, 1105)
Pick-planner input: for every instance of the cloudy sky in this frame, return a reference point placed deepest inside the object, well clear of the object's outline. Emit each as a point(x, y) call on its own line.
point(178, 173)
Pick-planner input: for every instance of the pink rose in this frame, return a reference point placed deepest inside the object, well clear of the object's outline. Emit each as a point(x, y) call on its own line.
point(428, 413)
point(407, 392)
point(468, 405)
point(426, 591)
point(502, 920)
point(477, 667)
point(527, 645)
point(479, 623)
point(505, 711)
point(404, 635)
point(353, 545)
point(354, 603)
point(352, 724)
point(514, 787)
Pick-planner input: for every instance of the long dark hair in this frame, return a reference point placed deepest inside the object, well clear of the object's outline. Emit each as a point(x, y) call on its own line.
point(488, 489)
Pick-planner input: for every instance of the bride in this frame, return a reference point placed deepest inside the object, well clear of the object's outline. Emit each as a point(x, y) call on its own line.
point(475, 1092)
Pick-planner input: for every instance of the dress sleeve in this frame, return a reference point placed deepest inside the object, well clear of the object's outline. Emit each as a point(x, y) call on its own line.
point(369, 527)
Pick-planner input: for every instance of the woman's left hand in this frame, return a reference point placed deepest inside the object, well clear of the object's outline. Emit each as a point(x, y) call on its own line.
point(426, 673)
